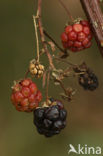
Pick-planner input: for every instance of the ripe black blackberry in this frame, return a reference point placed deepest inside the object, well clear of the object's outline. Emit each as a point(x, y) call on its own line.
point(88, 80)
point(50, 120)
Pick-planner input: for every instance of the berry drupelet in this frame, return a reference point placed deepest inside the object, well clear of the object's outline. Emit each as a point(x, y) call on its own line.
point(77, 37)
point(25, 95)
point(50, 120)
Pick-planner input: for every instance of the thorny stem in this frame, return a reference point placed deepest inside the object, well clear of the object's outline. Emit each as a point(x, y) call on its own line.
point(37, 39)
point(56, 44)
point(95, 16)
point(42, 35)
point(67, 10)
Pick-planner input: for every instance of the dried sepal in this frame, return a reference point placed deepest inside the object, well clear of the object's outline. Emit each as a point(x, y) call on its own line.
point(68, 94)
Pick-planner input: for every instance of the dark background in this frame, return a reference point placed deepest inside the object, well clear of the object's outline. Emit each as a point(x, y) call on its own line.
point(18, 136)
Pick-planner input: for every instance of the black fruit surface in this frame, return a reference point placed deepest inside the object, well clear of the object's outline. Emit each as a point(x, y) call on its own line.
point(50, 120)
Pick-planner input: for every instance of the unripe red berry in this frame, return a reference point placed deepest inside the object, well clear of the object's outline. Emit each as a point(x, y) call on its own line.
point(25, 95)
point(77, 37)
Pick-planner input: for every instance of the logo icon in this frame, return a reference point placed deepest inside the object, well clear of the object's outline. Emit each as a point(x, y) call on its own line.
point(72, 149)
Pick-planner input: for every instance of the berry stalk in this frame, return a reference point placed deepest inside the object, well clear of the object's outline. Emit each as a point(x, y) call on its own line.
point(36, 34)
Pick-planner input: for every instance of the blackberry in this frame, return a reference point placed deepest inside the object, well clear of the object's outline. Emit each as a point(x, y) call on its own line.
point(50, 120)
point(88, 80)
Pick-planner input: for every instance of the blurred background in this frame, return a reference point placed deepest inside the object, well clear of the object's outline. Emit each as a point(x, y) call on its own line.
point(18, 136)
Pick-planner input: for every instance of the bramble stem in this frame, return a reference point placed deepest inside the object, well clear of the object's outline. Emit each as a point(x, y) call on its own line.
point(95, 17)
point(42, 35)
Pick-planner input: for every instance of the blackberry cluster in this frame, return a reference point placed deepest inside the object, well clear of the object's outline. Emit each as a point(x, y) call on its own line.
point(88, 80)
point(50, 120)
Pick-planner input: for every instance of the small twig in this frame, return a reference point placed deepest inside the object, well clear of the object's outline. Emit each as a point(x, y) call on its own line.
point(42, 35)
point(37, 39)
point(47, 88)
point(67, 62)
point(56, 44)
point(44, 79)
point(66, 9)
